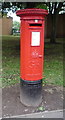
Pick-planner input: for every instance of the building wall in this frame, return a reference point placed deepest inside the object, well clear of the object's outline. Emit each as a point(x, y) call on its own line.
point(6, 25)
point(60, 26)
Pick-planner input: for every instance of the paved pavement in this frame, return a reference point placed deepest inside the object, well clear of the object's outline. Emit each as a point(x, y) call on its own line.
point(46, 114)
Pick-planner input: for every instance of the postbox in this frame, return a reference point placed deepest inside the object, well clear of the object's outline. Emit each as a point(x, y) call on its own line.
point(31, 55)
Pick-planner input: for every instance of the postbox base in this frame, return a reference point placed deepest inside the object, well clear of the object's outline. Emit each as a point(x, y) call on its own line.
point(31, 92)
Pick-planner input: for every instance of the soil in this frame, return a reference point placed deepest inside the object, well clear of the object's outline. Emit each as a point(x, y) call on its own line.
point(11, 105)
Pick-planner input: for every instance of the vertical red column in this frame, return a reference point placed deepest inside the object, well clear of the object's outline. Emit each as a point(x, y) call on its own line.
point(31, 55)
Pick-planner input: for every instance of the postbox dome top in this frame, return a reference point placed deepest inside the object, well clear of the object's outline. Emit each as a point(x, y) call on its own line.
point(32, 11)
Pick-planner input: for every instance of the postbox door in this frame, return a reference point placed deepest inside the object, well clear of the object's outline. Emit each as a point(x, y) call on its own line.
point(36, 48)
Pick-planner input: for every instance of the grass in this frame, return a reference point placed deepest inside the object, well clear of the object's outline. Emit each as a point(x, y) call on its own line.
point(10, 62)
point(53, 65)
point(53, 62)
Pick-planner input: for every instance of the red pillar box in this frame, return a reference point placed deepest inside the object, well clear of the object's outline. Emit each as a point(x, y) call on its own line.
point(31, 55)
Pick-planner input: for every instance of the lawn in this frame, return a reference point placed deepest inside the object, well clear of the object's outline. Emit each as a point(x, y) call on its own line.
point(53, 62)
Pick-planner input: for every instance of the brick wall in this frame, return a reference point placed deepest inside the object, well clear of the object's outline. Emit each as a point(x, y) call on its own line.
point(6, 24)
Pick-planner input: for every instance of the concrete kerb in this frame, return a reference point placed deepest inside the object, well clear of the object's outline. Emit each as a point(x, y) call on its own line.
point(45, 114)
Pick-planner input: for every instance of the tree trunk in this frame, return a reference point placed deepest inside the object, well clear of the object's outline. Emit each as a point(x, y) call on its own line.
point(53, 28)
